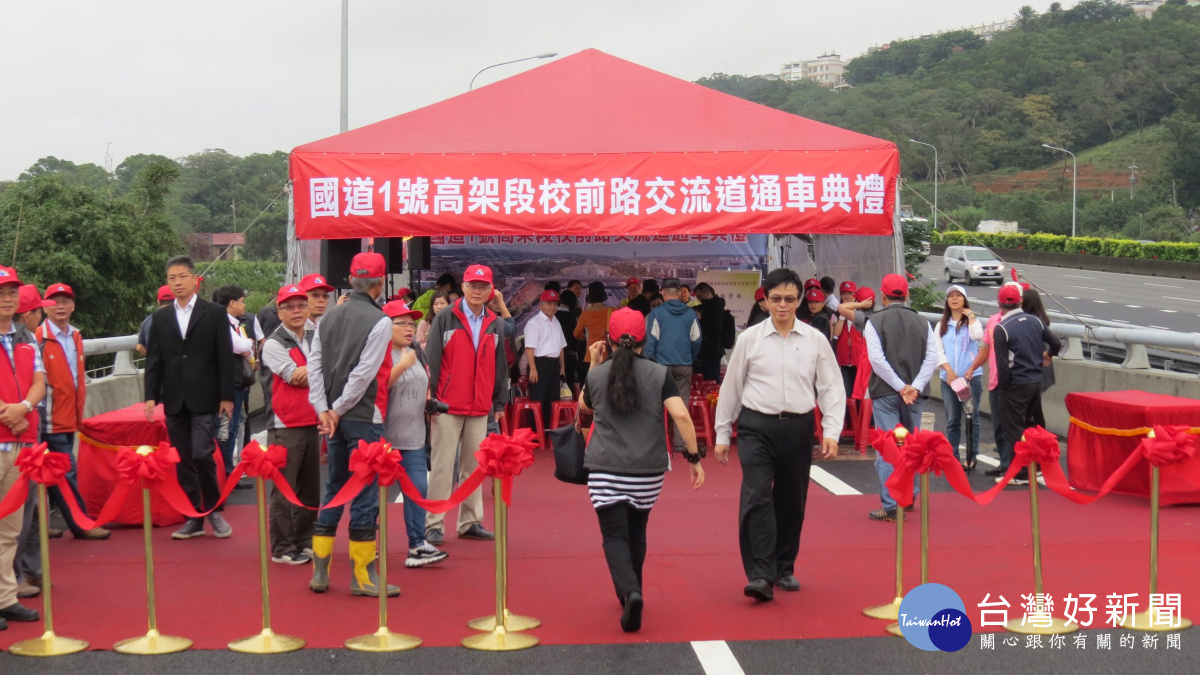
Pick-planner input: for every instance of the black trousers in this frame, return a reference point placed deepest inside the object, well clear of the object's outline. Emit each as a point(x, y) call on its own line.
point(776, 456)
point(1022, 404)
point(624, 531)
point(547, 389)
point(192, 435)
point(292, 526)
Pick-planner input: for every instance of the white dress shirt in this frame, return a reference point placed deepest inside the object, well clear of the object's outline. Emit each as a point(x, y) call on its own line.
point(242, 345)
point(881, 367)
point(184, 315)
point(771, 373)
point(544, 335)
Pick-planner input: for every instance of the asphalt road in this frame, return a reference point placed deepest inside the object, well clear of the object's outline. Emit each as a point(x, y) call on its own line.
point(1140, 301)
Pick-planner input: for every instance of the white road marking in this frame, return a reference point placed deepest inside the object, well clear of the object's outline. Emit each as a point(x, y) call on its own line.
point(831, 482)
point(1167, 297)
point(1076, 276)
point(1161, 327)
point(1165, 311)
point(1087, 316)
point(1134, 306)
point(1147, 283)
point(1089, 288)
point(1102, 302)
point(1069, 297)
point(1118, 320)
point(716, 658)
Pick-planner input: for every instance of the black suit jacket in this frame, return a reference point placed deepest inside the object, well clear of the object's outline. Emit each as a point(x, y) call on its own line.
point(192, 372)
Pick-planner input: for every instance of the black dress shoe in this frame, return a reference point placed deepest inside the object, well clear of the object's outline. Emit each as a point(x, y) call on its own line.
point(18, 612)
point(631, 618)
point(993, 472)
point(788, 582)
point(759, 589)
point(476, 531)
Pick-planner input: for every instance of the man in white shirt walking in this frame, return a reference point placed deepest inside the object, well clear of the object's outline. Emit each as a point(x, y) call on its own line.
point(780, 370)
point(544, 345)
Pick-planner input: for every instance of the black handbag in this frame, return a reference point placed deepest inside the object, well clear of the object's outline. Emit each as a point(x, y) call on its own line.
point(568, 446)
point(247, 378)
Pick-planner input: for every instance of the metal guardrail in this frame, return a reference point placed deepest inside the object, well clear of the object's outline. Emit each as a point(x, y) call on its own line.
point(126, 362)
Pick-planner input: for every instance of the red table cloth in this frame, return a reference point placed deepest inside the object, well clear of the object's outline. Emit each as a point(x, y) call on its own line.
point(99, 438)
point(1094, 454)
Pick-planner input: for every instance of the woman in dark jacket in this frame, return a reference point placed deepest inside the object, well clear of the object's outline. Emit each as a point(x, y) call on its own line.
point(627, 454)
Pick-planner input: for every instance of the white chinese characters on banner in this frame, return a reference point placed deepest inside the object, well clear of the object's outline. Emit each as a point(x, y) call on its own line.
point(586, 196)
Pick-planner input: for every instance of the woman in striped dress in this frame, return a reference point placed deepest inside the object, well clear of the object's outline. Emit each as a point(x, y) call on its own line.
point(627, 455)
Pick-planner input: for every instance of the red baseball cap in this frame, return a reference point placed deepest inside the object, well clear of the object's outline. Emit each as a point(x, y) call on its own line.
point(403, 292)
point(398, 308)
point(815, 295)
point(8, 276)
point(59, 289)
point(29, 299)
point(478, 273)
point(847, 287)
point(633, 280)
point(812, 283)
point(368, 265)
point(315, 282)
point(288, 292)
point(549, 296)
point(626, 321)
point(1010, 294)
point(760, 294)
point(164, 293)
point(864, 293)
point(894, 286)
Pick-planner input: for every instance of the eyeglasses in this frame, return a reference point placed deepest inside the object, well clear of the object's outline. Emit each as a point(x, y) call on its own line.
point(296, 307)
point(404, 324)
point(477, 287)
point(783, 299)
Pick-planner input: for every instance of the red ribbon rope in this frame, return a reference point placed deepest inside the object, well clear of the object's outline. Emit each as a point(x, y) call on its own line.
point(38, 465)
point(264, 464)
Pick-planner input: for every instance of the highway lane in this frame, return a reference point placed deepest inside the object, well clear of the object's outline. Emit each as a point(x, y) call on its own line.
point(1140, 301)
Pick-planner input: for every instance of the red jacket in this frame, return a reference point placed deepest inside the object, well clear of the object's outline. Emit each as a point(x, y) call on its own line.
point(65, 395)
point(14, 387)
point(473, 382)
point(289, 403)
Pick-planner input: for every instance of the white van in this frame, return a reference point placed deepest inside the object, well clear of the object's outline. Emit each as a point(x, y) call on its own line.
point(972, 264)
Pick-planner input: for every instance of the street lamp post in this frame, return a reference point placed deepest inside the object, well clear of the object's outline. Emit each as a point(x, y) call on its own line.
point(543, 55)
point(1074, 180)
point(935, 178)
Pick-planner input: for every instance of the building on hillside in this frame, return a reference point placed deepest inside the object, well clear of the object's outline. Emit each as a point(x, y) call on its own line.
point(987, 31)
point(826, 69)
point(216, 245)
point(1144, 8)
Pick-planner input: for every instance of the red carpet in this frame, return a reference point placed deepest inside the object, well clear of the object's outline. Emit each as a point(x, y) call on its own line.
point(208, 589)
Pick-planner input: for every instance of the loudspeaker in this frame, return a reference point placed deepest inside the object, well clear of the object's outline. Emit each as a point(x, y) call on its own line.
point(392, 250)
point(420, 254)
point(336, 255)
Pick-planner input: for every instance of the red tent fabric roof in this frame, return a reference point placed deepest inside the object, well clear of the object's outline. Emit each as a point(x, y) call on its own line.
point(592, 102)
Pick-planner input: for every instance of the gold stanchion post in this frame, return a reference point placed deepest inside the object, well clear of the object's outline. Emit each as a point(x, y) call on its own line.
point(1147, 620)
point(266, 642)
point(152, 642)
point(500, 638)
point(515, 623)
point(891, 610)
point(48, 644)
point(383, 640)
point(894, 627)
point(1052, 625)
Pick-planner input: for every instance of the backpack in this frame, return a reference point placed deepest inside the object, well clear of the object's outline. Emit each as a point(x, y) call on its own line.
point(728, 330)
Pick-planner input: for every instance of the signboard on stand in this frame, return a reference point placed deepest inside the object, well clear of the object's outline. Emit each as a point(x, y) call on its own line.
point(737, 287)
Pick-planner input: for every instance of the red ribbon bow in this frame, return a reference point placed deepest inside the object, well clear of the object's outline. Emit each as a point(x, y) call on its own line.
point(264, 464)
point(155, 471)
point(1173, 447)
point(1037, 445)
point(503, 457)
point(923, 452)
point(38, 465)
point(134, 467)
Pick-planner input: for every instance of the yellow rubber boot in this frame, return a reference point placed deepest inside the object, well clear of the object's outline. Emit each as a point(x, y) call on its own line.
point(322, 548)
point(366, 579)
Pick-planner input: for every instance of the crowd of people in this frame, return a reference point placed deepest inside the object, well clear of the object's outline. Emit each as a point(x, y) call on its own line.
point(435, 378)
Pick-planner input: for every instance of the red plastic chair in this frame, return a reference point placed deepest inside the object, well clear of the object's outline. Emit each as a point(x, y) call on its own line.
point(534, 408)
point(850, 424)
point(862, 432)
point(504, 422)
point(563, 413)
point(702, 419)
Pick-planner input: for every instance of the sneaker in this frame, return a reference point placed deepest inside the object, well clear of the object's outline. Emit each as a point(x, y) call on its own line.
point(424, 555)
point(434, 537)
point(292, 558)
point(192, 527)
point(882, 514)
point(221, 528)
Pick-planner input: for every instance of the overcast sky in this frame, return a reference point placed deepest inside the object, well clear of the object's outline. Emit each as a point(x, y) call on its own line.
point(173, 78)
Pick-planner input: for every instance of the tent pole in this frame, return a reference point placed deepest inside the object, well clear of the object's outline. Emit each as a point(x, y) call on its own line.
point(293, 247)
point(897, 230)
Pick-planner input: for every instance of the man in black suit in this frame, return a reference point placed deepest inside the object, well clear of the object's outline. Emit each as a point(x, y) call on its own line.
point(190, 361)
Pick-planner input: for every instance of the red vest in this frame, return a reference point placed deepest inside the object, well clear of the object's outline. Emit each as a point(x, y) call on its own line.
point(65, 395)
point(14, 387)
point(289, 404)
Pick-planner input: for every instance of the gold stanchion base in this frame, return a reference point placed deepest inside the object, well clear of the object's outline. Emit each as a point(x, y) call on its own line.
point(1057, 627)
point(888, 612)
point(152, 643)
point(48, 645)
point(514, 622)
point(894, 629)
point(267, 642)
point(1143, 620)
point(383, 640)
point(500, 640)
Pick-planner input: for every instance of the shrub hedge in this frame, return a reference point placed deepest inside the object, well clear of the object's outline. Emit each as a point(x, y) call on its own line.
point(1055, 243)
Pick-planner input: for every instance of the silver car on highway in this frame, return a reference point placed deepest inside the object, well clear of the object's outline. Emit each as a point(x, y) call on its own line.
point(972, 264)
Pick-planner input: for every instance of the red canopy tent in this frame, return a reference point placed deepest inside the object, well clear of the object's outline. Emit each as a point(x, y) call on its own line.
point(593, 145)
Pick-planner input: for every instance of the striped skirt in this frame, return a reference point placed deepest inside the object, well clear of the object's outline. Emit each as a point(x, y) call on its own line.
point(639, 491)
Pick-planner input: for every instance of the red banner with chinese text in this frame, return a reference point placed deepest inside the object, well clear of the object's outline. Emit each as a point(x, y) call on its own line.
point(391, 195)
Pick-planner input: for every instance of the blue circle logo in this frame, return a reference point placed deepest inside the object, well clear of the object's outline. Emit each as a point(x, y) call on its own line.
point(934, 618)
